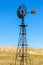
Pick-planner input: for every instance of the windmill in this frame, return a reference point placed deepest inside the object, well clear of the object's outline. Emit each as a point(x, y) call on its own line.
point(21, 53)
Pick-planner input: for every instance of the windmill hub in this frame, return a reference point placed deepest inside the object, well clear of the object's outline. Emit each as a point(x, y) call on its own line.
point(21, 11)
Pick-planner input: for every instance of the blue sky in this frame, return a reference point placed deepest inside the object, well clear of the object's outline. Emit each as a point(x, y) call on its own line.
point(9, 29)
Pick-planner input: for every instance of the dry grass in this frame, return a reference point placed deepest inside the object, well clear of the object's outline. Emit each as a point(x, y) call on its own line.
point(7, 56)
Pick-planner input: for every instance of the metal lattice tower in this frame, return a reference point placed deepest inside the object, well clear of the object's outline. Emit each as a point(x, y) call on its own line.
point(21, 53)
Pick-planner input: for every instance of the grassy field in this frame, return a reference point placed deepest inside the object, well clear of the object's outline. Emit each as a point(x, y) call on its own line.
point(8, 58)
